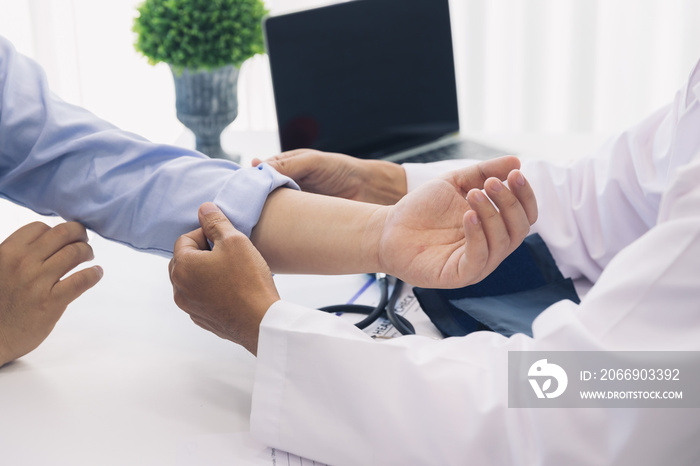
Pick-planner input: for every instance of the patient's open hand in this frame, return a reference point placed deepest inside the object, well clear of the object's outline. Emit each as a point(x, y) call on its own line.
point(436, 238)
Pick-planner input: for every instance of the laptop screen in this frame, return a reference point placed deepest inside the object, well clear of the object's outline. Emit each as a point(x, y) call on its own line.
point(367, 78)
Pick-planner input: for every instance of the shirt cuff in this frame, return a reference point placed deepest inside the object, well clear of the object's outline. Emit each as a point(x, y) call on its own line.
point(243, 196)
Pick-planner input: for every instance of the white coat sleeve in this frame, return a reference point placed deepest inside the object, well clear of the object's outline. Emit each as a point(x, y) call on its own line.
point(59, 159)
point(325, 390)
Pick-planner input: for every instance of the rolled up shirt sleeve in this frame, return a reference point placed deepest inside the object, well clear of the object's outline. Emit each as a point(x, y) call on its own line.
point(60, 159)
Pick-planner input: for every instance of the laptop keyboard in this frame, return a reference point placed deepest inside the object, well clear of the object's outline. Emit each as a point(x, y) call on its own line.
point(463, 149)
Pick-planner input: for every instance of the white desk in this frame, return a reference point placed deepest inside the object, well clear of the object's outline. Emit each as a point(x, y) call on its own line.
point(126, 378)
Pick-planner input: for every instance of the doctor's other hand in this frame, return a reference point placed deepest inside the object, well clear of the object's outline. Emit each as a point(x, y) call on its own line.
point(456, 229)
point(226, 290)
point(33, 292)
point(339, 175)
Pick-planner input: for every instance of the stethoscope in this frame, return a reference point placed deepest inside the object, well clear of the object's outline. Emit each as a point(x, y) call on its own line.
point(385, 308)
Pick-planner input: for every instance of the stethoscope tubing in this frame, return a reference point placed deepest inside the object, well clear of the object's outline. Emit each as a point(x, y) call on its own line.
point(386, 306)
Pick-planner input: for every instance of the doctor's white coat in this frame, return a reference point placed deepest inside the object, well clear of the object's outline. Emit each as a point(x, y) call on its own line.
point(627, 218)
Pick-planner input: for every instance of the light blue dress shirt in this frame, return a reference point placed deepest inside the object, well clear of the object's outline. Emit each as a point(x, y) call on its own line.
point(59, 159)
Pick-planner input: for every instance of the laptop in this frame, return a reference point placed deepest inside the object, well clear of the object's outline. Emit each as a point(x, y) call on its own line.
point(374, 79)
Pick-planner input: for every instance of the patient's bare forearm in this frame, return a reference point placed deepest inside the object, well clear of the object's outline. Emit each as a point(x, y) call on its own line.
point(429, 238)
point(306, 233)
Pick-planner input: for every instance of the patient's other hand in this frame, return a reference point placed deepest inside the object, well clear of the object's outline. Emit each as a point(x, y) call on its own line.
point(339, 175)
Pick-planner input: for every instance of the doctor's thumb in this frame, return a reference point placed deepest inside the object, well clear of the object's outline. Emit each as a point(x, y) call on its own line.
point(215, 224)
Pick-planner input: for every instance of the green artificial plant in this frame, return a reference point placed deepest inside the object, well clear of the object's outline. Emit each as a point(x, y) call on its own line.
point(199, 34)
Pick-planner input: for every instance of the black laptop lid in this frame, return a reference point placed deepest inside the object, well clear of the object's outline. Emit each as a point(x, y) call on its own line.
point(366, 78)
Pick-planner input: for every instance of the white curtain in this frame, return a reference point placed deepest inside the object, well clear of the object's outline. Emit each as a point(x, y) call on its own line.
point(544, 66)
point(86, 48)
point(570, 65)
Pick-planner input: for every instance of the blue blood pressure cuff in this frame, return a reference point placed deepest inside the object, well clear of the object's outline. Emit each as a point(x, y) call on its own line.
point(507, 301)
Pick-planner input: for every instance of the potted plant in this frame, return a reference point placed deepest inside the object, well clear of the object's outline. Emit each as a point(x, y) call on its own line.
point(205, 42)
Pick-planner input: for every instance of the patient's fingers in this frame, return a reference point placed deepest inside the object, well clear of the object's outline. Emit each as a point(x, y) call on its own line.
point(520, 187)
point(474, 176)
point(496, 233)
point(476, 249)
point(510, 210)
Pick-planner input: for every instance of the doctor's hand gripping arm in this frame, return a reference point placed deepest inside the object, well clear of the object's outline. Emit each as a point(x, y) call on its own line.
point(33, 294)
point(229, 288)
point(226, 298)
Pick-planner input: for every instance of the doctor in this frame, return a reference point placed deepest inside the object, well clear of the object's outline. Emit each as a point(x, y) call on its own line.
point(56, 158)
point(627, 218)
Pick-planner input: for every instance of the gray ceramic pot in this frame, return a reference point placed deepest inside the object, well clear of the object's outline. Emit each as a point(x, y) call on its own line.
point(207, 102)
